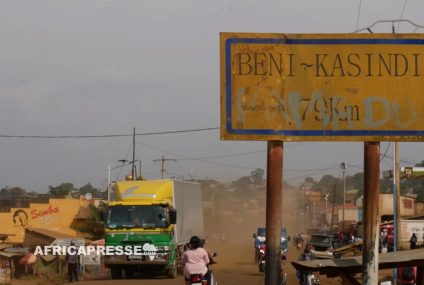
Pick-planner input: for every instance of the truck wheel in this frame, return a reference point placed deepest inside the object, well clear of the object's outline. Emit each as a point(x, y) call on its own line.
point(172, 272)
point(116, 272)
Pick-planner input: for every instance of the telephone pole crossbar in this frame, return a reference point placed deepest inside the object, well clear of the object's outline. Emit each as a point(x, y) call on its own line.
point(163, 161)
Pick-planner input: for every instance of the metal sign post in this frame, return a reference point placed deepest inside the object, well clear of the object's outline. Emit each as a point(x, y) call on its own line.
point(371, 212)
point(273, 212)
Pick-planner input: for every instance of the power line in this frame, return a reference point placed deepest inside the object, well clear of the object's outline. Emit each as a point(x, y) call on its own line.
point(196, 159)
point(185, 157)
point(105, 136)
point(359, 13)
point(401, 15)
point(226, 155)
point(312, 173)
point(387, 148)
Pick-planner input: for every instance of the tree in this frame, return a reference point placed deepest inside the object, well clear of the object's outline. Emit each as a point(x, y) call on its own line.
point(97, 193)
point(309, 180)
point(257, 175)
point(87, 188)
point(92, 225)
point(242, 182)
point(326, 186)
point(61, 190)
point(10, 193)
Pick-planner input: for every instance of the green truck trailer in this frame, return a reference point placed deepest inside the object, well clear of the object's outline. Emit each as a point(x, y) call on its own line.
point(158, 216)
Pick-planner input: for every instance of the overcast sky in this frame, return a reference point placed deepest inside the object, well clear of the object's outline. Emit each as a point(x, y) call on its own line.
point(103, 67)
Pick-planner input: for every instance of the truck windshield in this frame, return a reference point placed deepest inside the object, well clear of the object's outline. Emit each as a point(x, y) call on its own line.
point(151, 216)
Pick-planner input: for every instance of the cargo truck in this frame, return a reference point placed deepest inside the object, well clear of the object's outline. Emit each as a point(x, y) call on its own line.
point(159, 216)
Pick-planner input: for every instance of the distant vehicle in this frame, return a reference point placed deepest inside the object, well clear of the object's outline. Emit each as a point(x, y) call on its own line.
point(322, 246)
point(260, 237)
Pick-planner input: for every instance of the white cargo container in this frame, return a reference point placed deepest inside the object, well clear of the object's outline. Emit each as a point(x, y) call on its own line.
point(188, 203)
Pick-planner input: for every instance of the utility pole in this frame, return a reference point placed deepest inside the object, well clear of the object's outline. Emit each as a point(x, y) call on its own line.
point(274, 203)
point(332, 210)
point(108, 182)
point(371, 213)
point(307, 216)
point(326, 206)
point(163, 161)
point(343, 168)
point(133, 160)
point(396, 199)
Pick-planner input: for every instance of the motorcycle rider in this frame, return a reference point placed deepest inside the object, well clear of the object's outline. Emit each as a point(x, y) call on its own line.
point(305, 256)
point(195, 260)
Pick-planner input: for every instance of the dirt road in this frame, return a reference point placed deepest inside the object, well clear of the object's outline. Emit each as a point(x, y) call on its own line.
point(235, 267)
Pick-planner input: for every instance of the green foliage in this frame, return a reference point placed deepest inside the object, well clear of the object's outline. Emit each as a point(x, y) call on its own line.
point(92, 225)
point(257, 175)
point(65, 189)
point(332, 186)
point(10, 193)
point(62, 190)
point(97, 193)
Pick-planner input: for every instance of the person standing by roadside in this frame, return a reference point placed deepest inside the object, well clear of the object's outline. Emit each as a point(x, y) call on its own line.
point(72, 260)
point(413, 241)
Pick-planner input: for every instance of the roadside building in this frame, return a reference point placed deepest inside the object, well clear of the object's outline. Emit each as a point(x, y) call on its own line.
point(56, 215)
point(42, 237)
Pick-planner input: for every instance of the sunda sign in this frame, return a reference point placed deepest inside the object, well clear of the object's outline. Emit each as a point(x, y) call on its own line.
point(344, 87)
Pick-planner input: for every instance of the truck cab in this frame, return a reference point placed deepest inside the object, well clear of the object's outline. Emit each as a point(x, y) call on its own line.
point(144, 215)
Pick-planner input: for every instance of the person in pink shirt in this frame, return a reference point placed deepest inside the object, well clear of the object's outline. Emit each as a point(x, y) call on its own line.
point(195, 259)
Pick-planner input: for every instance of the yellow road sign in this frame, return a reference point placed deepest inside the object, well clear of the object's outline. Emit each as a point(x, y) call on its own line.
point(322, 87)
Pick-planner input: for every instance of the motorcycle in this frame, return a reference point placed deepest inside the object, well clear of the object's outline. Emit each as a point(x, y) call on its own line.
point(309, 278)
point(208, 279)
point(262, 259)
point(197, 279)
point(283, 274)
